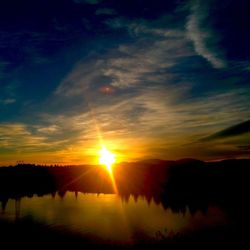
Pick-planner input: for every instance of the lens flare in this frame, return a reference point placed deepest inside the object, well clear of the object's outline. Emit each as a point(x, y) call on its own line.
point(106, 158)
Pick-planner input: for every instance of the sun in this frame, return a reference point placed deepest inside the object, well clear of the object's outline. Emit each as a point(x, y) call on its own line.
point(106, 158)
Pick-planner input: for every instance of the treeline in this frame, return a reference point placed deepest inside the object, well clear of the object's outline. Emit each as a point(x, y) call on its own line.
point(175, 184)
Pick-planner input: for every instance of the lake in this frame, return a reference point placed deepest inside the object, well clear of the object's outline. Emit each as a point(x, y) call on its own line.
point(109, 216)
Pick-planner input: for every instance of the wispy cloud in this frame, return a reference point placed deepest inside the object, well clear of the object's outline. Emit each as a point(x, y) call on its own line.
point(80, 79)
point(147, 61)
point(15, 136)
point(20, 137)
point(52, 129)
point(8, 101)
point(201, 35)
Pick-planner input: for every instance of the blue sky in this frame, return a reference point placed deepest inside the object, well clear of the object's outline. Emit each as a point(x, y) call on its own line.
point(150, 78)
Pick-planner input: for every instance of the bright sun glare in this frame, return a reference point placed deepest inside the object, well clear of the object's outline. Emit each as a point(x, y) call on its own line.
point(106, 158)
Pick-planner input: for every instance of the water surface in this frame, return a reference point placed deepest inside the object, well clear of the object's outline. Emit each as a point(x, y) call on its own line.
point(108, 216)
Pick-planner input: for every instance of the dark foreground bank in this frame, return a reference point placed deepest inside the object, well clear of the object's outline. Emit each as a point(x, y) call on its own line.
point(27, 234)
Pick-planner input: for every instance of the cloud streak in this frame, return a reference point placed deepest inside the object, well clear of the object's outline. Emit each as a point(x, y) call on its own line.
point(8, 101)
point(200, 37)
point(235, 130)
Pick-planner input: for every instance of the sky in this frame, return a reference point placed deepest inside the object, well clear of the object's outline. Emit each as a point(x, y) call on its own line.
point(147, 78)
